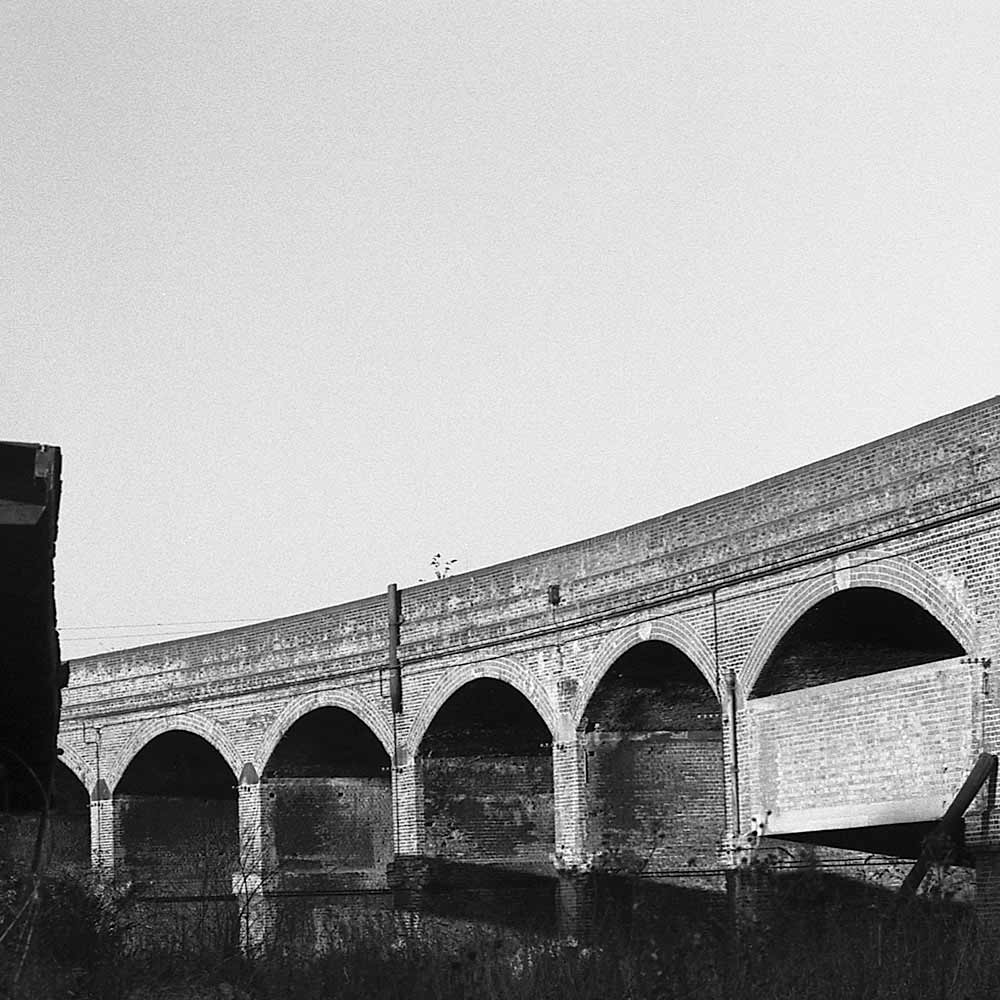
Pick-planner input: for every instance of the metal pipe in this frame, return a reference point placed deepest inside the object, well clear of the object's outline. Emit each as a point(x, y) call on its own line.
point(395, 674)
point(735, 751)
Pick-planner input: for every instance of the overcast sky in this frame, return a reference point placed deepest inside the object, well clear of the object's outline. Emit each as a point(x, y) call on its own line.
point(307, 293)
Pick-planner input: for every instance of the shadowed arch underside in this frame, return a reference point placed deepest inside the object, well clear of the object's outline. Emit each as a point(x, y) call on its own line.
point(69, 824)
point(654, 766)
point(854, 633)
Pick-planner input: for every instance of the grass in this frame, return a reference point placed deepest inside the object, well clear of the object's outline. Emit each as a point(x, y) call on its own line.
point(801, 938)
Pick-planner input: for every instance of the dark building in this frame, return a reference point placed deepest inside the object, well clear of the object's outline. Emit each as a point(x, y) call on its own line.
point(31, 673)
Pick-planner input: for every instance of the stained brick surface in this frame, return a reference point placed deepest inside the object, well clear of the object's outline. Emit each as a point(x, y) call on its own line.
point(331, 824)
point(655, 800)
point(497, 810)
point(180, 846)
point(916, 513)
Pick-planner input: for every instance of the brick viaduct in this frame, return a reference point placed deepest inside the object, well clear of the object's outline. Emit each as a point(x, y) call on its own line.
point(807, 658)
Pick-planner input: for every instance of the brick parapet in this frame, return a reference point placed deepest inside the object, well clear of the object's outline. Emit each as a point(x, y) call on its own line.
point(945, 468)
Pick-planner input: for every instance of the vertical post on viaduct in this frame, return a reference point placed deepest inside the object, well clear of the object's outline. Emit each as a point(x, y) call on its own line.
point(595, 738)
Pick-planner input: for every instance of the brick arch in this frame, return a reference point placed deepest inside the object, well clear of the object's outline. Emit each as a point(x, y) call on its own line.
point(77, 765)
point(199, 725)
point(896, 574)
point(519, 677)
point(672, 630)
point(349, 701)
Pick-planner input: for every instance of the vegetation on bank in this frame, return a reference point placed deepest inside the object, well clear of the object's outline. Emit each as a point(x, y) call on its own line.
point(802, 937)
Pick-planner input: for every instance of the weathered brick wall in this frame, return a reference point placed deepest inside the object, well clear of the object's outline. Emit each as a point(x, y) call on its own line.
point(930, 472)
point(917, 513)
point(326, 803)
point(486, 766)
point(655, 800)
point(181, 846)
point(493, 809)
point(67, 841)
point(928, 568)
point(654, 765)
point(329, 825)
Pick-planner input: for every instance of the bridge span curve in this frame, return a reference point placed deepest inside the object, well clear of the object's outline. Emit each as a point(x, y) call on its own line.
point(807, 657)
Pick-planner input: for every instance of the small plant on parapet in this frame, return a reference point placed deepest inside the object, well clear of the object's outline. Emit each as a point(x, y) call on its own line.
point(441, 566)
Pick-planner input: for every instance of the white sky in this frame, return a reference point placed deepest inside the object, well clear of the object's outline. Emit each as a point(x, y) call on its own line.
point(309, 292)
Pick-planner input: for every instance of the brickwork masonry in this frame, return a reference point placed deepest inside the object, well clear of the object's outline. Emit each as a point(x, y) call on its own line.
point(916, 513)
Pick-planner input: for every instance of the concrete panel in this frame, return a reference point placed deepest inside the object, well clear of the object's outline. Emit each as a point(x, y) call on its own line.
point(887, 748)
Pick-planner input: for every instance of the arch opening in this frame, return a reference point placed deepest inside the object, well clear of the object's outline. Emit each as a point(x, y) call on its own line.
point(854, 633)
point(655, 790)
point(177, 814)
point(326, 799)
point(69, 821)
point(486, 764)
point(68, 843)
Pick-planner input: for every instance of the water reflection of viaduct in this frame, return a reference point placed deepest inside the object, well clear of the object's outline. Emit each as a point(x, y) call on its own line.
point(811, 652)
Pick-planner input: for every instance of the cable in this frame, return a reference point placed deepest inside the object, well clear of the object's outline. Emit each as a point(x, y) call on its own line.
point(32, 903)
point(210, 621)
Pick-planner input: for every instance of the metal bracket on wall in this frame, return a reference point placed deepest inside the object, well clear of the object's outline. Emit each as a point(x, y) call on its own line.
point(982, 771)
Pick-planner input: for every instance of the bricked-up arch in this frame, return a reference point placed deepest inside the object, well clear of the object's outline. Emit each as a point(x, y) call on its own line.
point(901, 576)
point(326, 800)
point(69, 821)
point(652, 733)
point(854, 633)
point(68, 841)
point(486, 761)
point(176, 815)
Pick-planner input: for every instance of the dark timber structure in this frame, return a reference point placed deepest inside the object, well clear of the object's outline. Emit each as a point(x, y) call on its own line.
point(31, 674)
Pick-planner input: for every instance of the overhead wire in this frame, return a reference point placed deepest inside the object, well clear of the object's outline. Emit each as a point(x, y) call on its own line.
point(207, 621)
